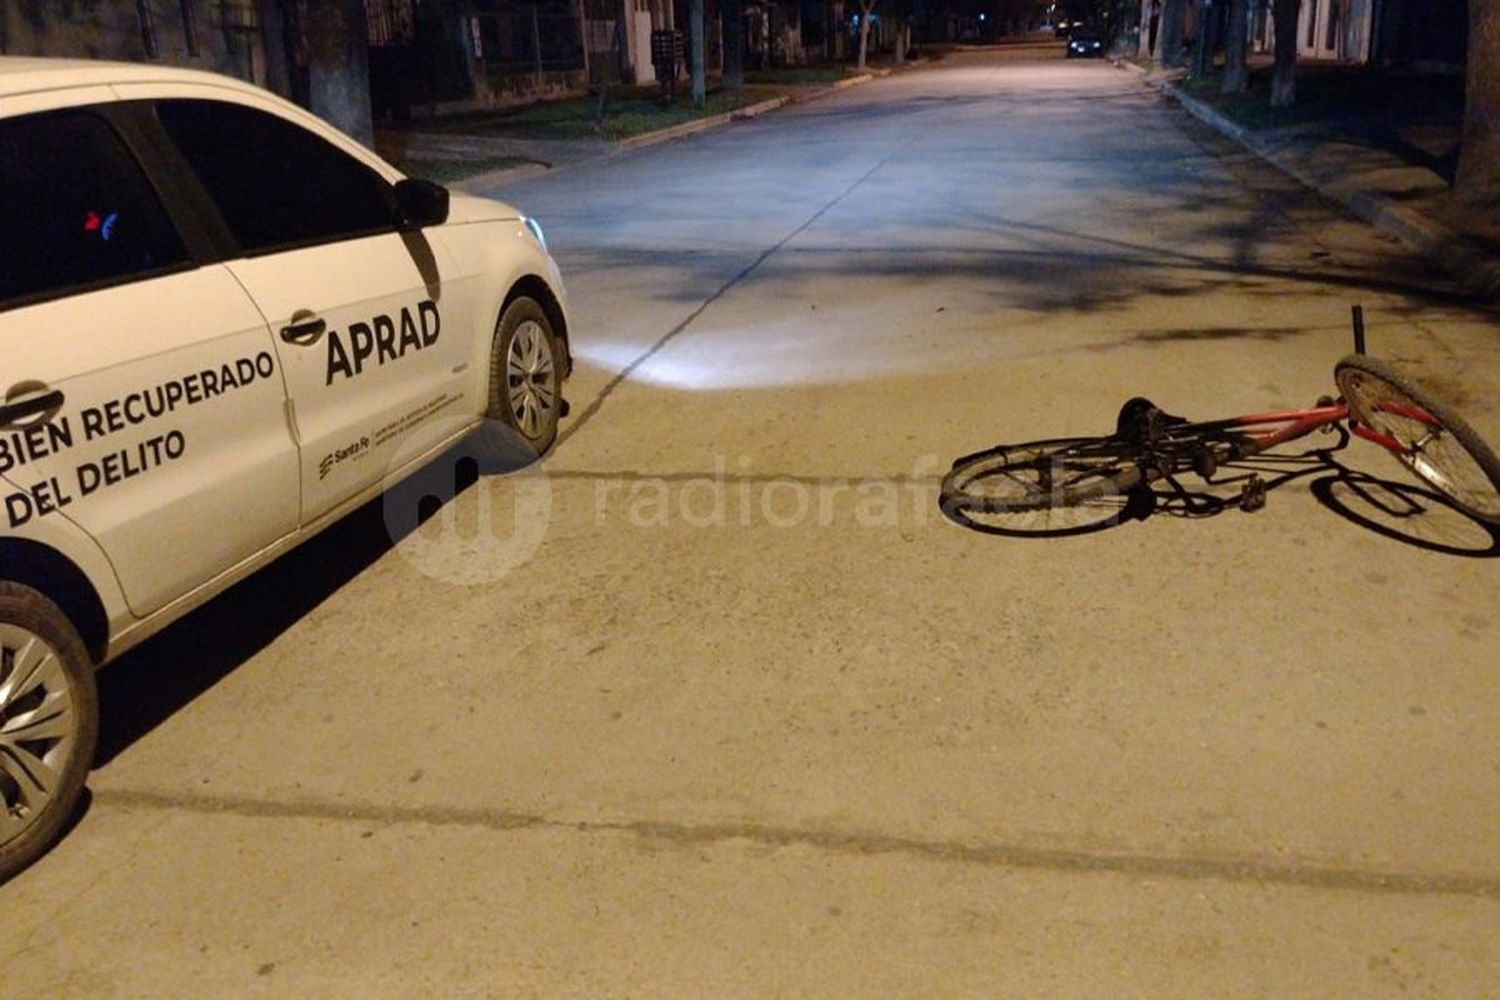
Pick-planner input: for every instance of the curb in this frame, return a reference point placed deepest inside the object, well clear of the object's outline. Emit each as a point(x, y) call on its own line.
point(1476, 270)
point(699, 124)
point(528, 170)
point(665, 135)
point(751, 111)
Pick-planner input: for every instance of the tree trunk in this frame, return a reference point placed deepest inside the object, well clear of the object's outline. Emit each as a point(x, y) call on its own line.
point(700, 81)
point(273, 34)
point(613, 69)
point(1170, 32)
point(1203, 39)
point(1236, 74)
point(1284, 77)
point(865, 7)
point(1145, 43)
point(1478, 181)
point(338, 65)
point(1143, 32)
point(733, 15)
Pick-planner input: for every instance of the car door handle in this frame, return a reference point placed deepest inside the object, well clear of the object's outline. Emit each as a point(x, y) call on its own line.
point(45, 405)
point(304, 328)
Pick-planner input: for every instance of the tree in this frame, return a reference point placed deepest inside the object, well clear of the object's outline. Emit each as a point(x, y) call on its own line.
point(901, 14)
point(866, 8)
point(1146, 33)
point(733, 20)
point(338, 66)
point(696, 53)
point(612, 70)
point(1169, 33)
point(1284, 76)
point(1478, 180)
point(1203, 41)
point(1236, 75)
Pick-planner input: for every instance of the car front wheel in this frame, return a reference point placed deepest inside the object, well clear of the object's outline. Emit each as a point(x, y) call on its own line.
point(49, 722)
point(525, 388)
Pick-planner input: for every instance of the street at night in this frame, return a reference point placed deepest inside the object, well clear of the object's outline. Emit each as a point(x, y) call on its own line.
point(714, 700)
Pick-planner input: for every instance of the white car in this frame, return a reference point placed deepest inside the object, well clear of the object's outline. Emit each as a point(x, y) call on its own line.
point(223, 325)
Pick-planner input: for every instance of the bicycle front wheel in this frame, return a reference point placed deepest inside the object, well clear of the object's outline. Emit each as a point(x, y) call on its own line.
point(1063, 486)
point(1435, 443)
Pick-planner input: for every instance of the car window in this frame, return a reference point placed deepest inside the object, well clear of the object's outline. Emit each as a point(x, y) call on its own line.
point(79, 212)
point(278, 185)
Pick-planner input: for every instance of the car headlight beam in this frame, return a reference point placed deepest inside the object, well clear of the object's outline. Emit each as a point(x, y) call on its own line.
point(535, 228)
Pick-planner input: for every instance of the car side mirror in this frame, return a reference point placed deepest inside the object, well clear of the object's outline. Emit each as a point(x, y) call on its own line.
point(420, 203)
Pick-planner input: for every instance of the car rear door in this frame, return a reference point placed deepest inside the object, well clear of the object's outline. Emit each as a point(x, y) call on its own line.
point(143, 399)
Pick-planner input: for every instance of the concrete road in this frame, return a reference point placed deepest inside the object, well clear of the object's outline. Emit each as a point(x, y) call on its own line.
point(716, 704)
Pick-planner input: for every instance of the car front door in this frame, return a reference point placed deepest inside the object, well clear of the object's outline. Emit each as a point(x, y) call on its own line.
point(372, 347)
point(142, 395)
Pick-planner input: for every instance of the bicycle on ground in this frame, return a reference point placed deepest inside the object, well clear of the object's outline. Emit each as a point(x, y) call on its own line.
point(1102, 480)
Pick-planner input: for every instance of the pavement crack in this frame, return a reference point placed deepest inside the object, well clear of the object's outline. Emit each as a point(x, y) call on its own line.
point(725, 476)
point(1223, 868)
point(620, 377)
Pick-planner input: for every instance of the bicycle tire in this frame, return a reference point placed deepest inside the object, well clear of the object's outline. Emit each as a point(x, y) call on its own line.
point(1058, 486)
point(1444, 452)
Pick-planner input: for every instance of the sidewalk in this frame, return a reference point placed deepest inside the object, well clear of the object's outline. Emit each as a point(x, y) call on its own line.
point(1385, 147)
point(485, 149)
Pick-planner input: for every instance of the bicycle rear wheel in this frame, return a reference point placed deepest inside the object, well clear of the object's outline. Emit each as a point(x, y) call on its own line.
point(1437, 445)
point(1062, 486)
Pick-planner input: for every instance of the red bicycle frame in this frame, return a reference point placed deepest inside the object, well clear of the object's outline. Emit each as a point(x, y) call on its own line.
point(1288, 425)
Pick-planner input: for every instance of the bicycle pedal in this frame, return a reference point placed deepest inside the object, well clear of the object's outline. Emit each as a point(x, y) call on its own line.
point(1253, 495)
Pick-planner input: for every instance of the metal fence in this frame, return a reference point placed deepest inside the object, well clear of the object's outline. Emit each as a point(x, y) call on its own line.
point(543, 38)
point(391, 22)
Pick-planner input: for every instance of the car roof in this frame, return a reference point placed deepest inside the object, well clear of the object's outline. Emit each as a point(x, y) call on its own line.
point(21, 75)
point(27, 75)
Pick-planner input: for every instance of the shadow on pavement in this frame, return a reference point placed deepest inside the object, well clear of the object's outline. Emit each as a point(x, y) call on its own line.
point(149, 684)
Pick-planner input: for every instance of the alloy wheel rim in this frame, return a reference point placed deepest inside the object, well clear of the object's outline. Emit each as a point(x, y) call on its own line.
point(38, 728)
point(531, 379)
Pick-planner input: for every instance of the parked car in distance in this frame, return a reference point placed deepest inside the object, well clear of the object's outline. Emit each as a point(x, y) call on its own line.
point(1085, 45)
point(223, 325)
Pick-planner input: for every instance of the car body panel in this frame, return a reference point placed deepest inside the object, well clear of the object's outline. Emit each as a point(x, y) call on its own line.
point(287, 421)
point(491, 261)
point(393, 355)
point(171, 448)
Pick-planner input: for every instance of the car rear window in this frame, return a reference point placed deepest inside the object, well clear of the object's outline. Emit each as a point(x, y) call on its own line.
point(79, 212)
point(278, 185)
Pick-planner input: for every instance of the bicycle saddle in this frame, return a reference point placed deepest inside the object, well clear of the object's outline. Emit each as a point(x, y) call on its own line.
point(1142, 421)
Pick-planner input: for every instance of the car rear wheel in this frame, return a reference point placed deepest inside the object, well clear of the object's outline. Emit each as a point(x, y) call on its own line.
point(49, 723)
point(525, 398)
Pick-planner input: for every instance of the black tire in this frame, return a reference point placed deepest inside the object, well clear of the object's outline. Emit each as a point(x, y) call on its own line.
point(514, 433)
point(1062, 486)
point(49, 724)
point(1441, 449)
